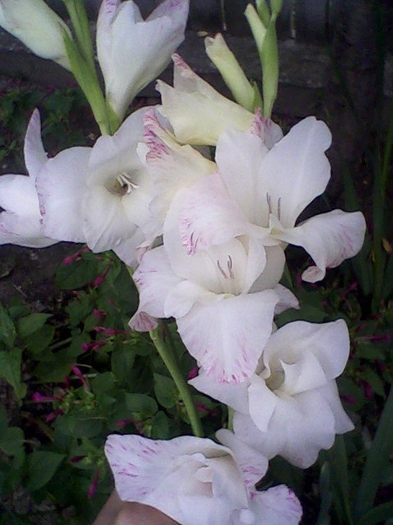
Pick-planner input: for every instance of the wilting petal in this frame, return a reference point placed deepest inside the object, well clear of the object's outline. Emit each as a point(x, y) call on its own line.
point(235, 331)
point(133, 52)
point(196, 111)
point(182, 477)
point(61, 186)
point(329, 238)
point(37, 26)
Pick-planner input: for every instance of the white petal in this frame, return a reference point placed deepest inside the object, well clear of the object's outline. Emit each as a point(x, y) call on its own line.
point(235, 395)
point(253, 465)
point(61, 186)
point(329, 238)
point(329, 342)
point(121, 31)
point(296, 170)
point(106, 224)
point(299, 428)
point(181, 477)
point(154, 279)
point(209, 216)
point(239, 157)
point(172, 166)
point(35, 156)
point(276, 506)
point(20, 222)
point(235, 332)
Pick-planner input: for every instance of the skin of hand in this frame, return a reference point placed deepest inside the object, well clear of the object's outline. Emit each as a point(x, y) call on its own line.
point(117, 512)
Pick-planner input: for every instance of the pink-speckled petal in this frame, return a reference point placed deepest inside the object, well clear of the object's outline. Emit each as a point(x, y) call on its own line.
point(235, 331)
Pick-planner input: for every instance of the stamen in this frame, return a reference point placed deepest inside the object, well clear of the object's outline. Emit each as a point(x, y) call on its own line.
point(221, 270)
point(230, 266)
point(126, 183)
point(269, 202)
point(279, 209)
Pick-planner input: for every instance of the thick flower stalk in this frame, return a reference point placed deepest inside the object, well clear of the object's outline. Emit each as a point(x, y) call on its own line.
point(37, 26)
point(131, 51)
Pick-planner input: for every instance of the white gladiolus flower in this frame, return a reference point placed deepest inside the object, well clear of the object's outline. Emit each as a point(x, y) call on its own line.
point(290, 406)
point(37, 26)
point(261, 192)
point(132, 51)
point(227, 289)
point(99, 195)
point(184, 477)
point(188, 477)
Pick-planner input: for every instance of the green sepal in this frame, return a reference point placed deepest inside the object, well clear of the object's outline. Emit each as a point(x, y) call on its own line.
point(263, 11)
point(81, 26)
point(88, 81)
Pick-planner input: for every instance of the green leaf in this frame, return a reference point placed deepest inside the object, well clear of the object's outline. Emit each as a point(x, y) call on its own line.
point(123, 358)
point(326, 495)
point(377, 515)
point(160, 426)
point(41, 339)
point(42, 467)
point(141, 404)
point(10, 370)
point(77, 274)
point(166, 391)
point(79, 425)
point(377, 460)
point(7, 328)
point(31, 323)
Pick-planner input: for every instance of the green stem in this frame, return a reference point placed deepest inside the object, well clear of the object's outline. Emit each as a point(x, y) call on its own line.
point(173, 369)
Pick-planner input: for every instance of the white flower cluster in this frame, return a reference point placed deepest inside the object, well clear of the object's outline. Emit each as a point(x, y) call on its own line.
point(207, 238)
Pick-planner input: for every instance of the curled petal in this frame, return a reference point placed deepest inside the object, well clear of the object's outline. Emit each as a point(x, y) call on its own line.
point(329, 238)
